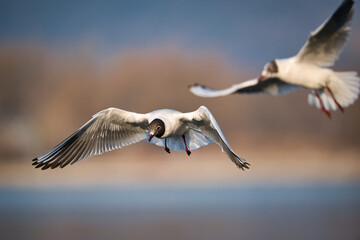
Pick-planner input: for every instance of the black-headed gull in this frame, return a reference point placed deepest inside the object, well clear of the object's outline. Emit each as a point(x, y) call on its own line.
point(114, 128)
point(329, 90)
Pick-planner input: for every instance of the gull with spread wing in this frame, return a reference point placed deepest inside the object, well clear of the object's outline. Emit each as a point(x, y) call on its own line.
point(114, 128)
point(309, 69)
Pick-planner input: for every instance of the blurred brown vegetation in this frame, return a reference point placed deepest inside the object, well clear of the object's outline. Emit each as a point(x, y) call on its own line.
point(47, 94)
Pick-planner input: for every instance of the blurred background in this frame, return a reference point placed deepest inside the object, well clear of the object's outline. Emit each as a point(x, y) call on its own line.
point(63, 61)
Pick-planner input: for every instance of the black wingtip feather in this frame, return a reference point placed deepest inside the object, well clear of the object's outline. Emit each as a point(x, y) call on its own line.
point(46, 166)
point(338, 19)
point(195, 85)
point(60, 147)
point(341, 15)
point(39, 165)
point(244, 165)
point(247, 165)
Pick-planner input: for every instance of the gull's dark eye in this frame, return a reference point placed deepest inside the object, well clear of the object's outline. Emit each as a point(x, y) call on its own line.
point(158, 127)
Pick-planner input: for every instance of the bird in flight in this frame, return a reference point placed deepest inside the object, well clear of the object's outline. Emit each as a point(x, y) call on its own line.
point(309, 69)
point(114, 128)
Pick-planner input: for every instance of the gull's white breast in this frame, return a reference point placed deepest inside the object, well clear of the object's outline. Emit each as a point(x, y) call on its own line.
point(306, 75)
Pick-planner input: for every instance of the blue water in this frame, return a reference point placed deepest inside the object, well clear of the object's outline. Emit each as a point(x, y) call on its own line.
point(256, 212)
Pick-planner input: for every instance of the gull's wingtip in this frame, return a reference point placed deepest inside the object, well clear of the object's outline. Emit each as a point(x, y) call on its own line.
point(202, 91)
point(196, 89)
point(195, 85)
point(244, 165)
point(41, 165)
point(36, 163)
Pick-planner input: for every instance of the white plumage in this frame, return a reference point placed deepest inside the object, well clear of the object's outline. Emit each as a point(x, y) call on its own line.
point(329, 90)
point(114, 128)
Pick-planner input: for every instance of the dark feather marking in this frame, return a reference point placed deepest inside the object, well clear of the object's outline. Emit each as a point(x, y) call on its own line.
point(259, 87)
point(63, 145)
point(67, 153)
point(336, 22)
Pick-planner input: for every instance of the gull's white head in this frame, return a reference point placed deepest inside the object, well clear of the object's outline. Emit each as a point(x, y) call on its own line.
point(271, 69)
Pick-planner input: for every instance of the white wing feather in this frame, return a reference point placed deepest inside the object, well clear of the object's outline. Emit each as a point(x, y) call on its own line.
point(272, 86)
point(108, 130)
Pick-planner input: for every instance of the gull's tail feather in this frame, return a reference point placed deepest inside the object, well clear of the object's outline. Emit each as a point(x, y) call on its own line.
point(345, 87)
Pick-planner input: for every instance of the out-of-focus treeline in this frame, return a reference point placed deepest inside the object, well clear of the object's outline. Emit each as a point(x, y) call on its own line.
point(47, 94)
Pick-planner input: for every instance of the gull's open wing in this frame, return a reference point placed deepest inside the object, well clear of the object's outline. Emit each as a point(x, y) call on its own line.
point(207, 126)
point(107, 130)
point(326, 42)
point(272, 86)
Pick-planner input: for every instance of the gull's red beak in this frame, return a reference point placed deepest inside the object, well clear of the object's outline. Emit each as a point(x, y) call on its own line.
point(150, 137)
point(261, 78)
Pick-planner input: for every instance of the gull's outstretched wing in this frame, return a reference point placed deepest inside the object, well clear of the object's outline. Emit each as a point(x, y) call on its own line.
point(206, 124)
point(272, 86)
point(326, 42)
point(106, 131)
